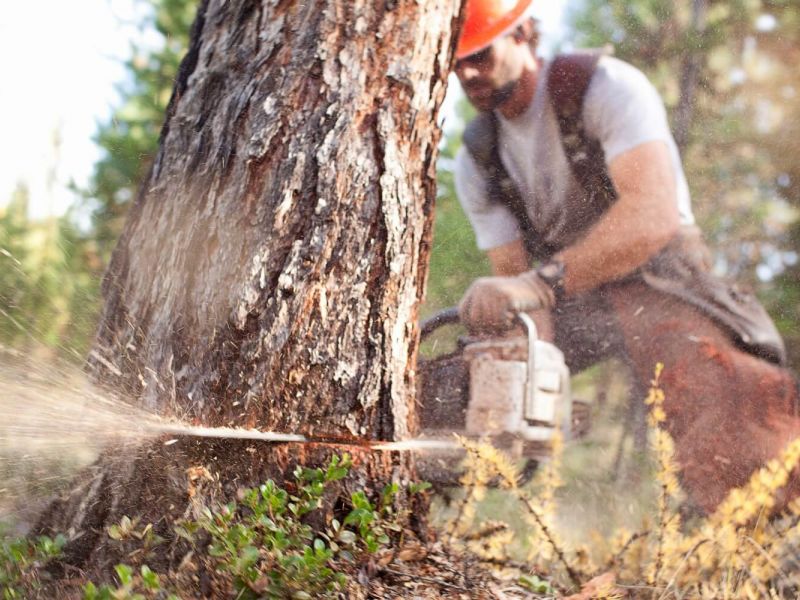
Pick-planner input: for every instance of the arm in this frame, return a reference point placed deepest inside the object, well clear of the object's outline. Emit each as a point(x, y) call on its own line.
point(485, 306)
point(509, 259)
point(640, 223)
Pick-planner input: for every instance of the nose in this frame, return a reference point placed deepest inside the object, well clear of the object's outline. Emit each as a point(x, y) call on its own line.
point(467, 71)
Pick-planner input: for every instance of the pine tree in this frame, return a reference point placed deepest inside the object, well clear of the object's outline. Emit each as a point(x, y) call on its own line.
point(130, 138)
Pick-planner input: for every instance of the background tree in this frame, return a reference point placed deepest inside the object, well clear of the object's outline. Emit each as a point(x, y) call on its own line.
point(48, 282)
point(13, 251)
point(50, 268)
point(775, 88)
point(129, 139)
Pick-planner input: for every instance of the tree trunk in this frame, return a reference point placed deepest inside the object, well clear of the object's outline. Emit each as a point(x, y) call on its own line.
point(271, 267)
point(691, 68)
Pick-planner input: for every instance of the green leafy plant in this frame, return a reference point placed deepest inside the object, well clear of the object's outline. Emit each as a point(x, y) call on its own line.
point(267, 547)
point(20, 560)
point(132, 586)
point(534, 584)
point(262, 546)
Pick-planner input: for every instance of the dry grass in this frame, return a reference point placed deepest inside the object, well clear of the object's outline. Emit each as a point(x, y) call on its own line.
point(741, 551)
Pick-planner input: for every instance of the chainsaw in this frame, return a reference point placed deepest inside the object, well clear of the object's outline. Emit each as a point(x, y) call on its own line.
point(511, 392)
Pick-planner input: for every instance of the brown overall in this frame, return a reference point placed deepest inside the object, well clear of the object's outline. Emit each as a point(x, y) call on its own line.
point(730, 405)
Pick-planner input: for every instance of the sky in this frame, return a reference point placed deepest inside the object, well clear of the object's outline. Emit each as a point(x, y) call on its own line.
point(60, 68)
point(60, 63)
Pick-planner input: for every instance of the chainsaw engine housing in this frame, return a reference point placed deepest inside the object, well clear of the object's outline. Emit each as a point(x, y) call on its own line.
point(527, 396)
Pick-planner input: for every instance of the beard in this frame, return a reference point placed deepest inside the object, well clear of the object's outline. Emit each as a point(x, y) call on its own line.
point(493, 99)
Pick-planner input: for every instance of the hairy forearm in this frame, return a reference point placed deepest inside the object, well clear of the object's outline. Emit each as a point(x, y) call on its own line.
point(638, 225)
point(622, 241)
point(641, 222)
point(509, 259)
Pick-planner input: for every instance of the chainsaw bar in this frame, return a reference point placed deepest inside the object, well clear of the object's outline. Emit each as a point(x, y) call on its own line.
point(412, 445)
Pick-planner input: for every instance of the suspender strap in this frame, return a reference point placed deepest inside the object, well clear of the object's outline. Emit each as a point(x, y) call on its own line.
point(567, 84)
point(480, 138)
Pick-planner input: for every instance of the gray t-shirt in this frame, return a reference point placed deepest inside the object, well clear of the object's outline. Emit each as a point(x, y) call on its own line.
point(621, 110)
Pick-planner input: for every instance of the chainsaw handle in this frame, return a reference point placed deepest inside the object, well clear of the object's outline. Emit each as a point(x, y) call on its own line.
point(447, 316)
point(530, 378)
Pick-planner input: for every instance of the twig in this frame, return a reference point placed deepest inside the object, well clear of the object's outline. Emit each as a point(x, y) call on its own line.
point(680, 566)
point(549, 536)
point(486, 532)
point(505, 562)
point(447, 567)
point(626, 430)
point(435, 580)
point(652, 588)
point(761, 587)
point(462, 505)
point(618, 556)
point(767, 556)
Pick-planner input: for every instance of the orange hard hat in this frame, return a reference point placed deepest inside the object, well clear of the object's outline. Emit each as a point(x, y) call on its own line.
point(486, 21)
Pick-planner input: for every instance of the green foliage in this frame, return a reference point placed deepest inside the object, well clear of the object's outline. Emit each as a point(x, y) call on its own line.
point(50, 270)
point(264, 543)
point(419, 487)
point(20, 560)
point(778, 91)
point(270, 551)
point(130, 137)
point(455, 259)
point(48, 281)
point(532, 583)
point(132, 586)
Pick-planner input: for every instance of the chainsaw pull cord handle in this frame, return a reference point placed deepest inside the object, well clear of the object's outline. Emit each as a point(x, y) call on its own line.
point(530, 379)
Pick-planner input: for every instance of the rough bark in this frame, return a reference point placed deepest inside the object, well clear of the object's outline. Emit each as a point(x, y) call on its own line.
point(270, 269)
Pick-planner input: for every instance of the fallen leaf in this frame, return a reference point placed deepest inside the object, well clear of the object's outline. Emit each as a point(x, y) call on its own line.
point(601, 587)
point(412, 552)
point(385, 557)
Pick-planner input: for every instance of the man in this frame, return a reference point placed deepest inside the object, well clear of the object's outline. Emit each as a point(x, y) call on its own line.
point(572, 164)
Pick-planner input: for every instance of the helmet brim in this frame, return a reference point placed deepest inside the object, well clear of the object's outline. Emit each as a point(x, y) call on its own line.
point(477, 41)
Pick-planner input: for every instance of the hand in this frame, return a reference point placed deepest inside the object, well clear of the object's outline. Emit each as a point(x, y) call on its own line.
point(490, 303)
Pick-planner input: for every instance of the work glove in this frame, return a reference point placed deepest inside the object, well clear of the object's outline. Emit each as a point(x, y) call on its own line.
point(491, 303)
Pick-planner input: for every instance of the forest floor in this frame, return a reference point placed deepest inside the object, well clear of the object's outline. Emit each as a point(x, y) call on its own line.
point(589, 524)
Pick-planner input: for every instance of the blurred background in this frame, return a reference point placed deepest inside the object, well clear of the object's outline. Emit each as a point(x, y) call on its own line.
point(84, 86)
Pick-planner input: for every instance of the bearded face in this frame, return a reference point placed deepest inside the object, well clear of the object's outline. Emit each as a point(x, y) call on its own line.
point(490, 76)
